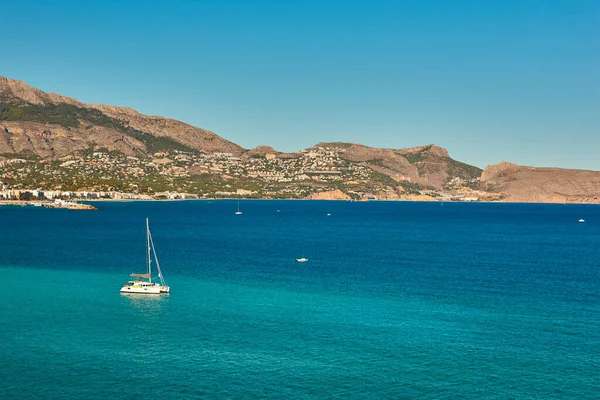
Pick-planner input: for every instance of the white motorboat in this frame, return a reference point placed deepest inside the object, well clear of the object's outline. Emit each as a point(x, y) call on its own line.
point(302, 260)
point(142, 283)
point(582, 220)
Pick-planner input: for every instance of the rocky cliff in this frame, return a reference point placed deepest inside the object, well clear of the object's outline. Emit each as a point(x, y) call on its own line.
point(329, 195)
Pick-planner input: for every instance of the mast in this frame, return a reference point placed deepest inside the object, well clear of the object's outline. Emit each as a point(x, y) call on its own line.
point(148, 251)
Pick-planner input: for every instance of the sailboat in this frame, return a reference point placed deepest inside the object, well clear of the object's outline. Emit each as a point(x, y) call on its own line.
point(238, 212)
point(142, 283)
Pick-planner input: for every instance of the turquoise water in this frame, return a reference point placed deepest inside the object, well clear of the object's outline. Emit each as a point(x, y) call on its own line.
point(399, 300)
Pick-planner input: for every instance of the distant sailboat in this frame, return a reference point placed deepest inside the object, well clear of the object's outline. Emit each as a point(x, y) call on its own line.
point(238, 212)
point(137, 284)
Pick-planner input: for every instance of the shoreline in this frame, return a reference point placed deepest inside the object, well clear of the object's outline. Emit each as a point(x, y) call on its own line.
point(48, 204)
point(81, 204)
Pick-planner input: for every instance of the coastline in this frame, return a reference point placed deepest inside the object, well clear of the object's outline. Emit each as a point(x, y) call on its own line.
point(85, 206)
point(48, 204)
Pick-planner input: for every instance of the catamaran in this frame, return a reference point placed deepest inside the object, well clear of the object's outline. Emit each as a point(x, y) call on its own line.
point(142, 283)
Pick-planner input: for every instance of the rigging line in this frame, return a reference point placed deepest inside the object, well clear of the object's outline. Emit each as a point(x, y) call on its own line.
point(162, 280)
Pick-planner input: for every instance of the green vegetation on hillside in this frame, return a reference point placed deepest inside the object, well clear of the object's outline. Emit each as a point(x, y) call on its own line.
point(413, 158)
point(66, 115)
point(339, 145)
point(23, 155)
point(376, 161)
point(71, 116)
point(455, 168)
point(411, 187)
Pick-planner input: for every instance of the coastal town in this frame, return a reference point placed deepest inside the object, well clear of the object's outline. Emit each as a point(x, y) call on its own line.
point(99, 174)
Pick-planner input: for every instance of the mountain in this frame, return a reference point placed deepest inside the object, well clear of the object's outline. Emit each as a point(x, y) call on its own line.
point(51, 141)
point(542, 185)
point(427, 166)
point(52, 125)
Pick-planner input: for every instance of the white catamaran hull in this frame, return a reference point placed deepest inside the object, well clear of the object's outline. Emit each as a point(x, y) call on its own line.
point(141, 290)
point(165, 289)
point(147, 289)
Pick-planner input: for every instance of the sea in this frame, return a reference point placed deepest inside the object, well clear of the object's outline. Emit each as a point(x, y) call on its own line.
point(399, 300)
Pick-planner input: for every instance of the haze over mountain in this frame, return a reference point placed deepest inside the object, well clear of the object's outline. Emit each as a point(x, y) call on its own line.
point(49, 126)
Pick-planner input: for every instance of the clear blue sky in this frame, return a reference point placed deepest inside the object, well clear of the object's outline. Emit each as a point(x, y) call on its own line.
point(490, 80)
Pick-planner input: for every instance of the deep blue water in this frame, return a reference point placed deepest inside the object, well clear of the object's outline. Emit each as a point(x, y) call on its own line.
point(399, 300)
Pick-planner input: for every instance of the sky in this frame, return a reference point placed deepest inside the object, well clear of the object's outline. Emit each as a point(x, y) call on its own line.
point(491, 81)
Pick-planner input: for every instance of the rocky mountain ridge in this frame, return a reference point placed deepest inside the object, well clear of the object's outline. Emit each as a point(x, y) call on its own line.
point(39, 127)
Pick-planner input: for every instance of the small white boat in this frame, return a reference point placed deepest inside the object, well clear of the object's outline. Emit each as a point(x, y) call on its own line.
point(238, 212)
point(142, 283)
point(582, 220)
point(303, 259)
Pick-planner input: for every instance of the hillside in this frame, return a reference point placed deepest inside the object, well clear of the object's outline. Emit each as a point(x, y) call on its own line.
point(427, 166)
point(543, 185)
point(52, 125)
point(53, 142)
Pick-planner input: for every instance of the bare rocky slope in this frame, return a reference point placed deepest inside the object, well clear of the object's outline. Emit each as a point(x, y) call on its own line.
point(542, 185)
point(52, 125)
